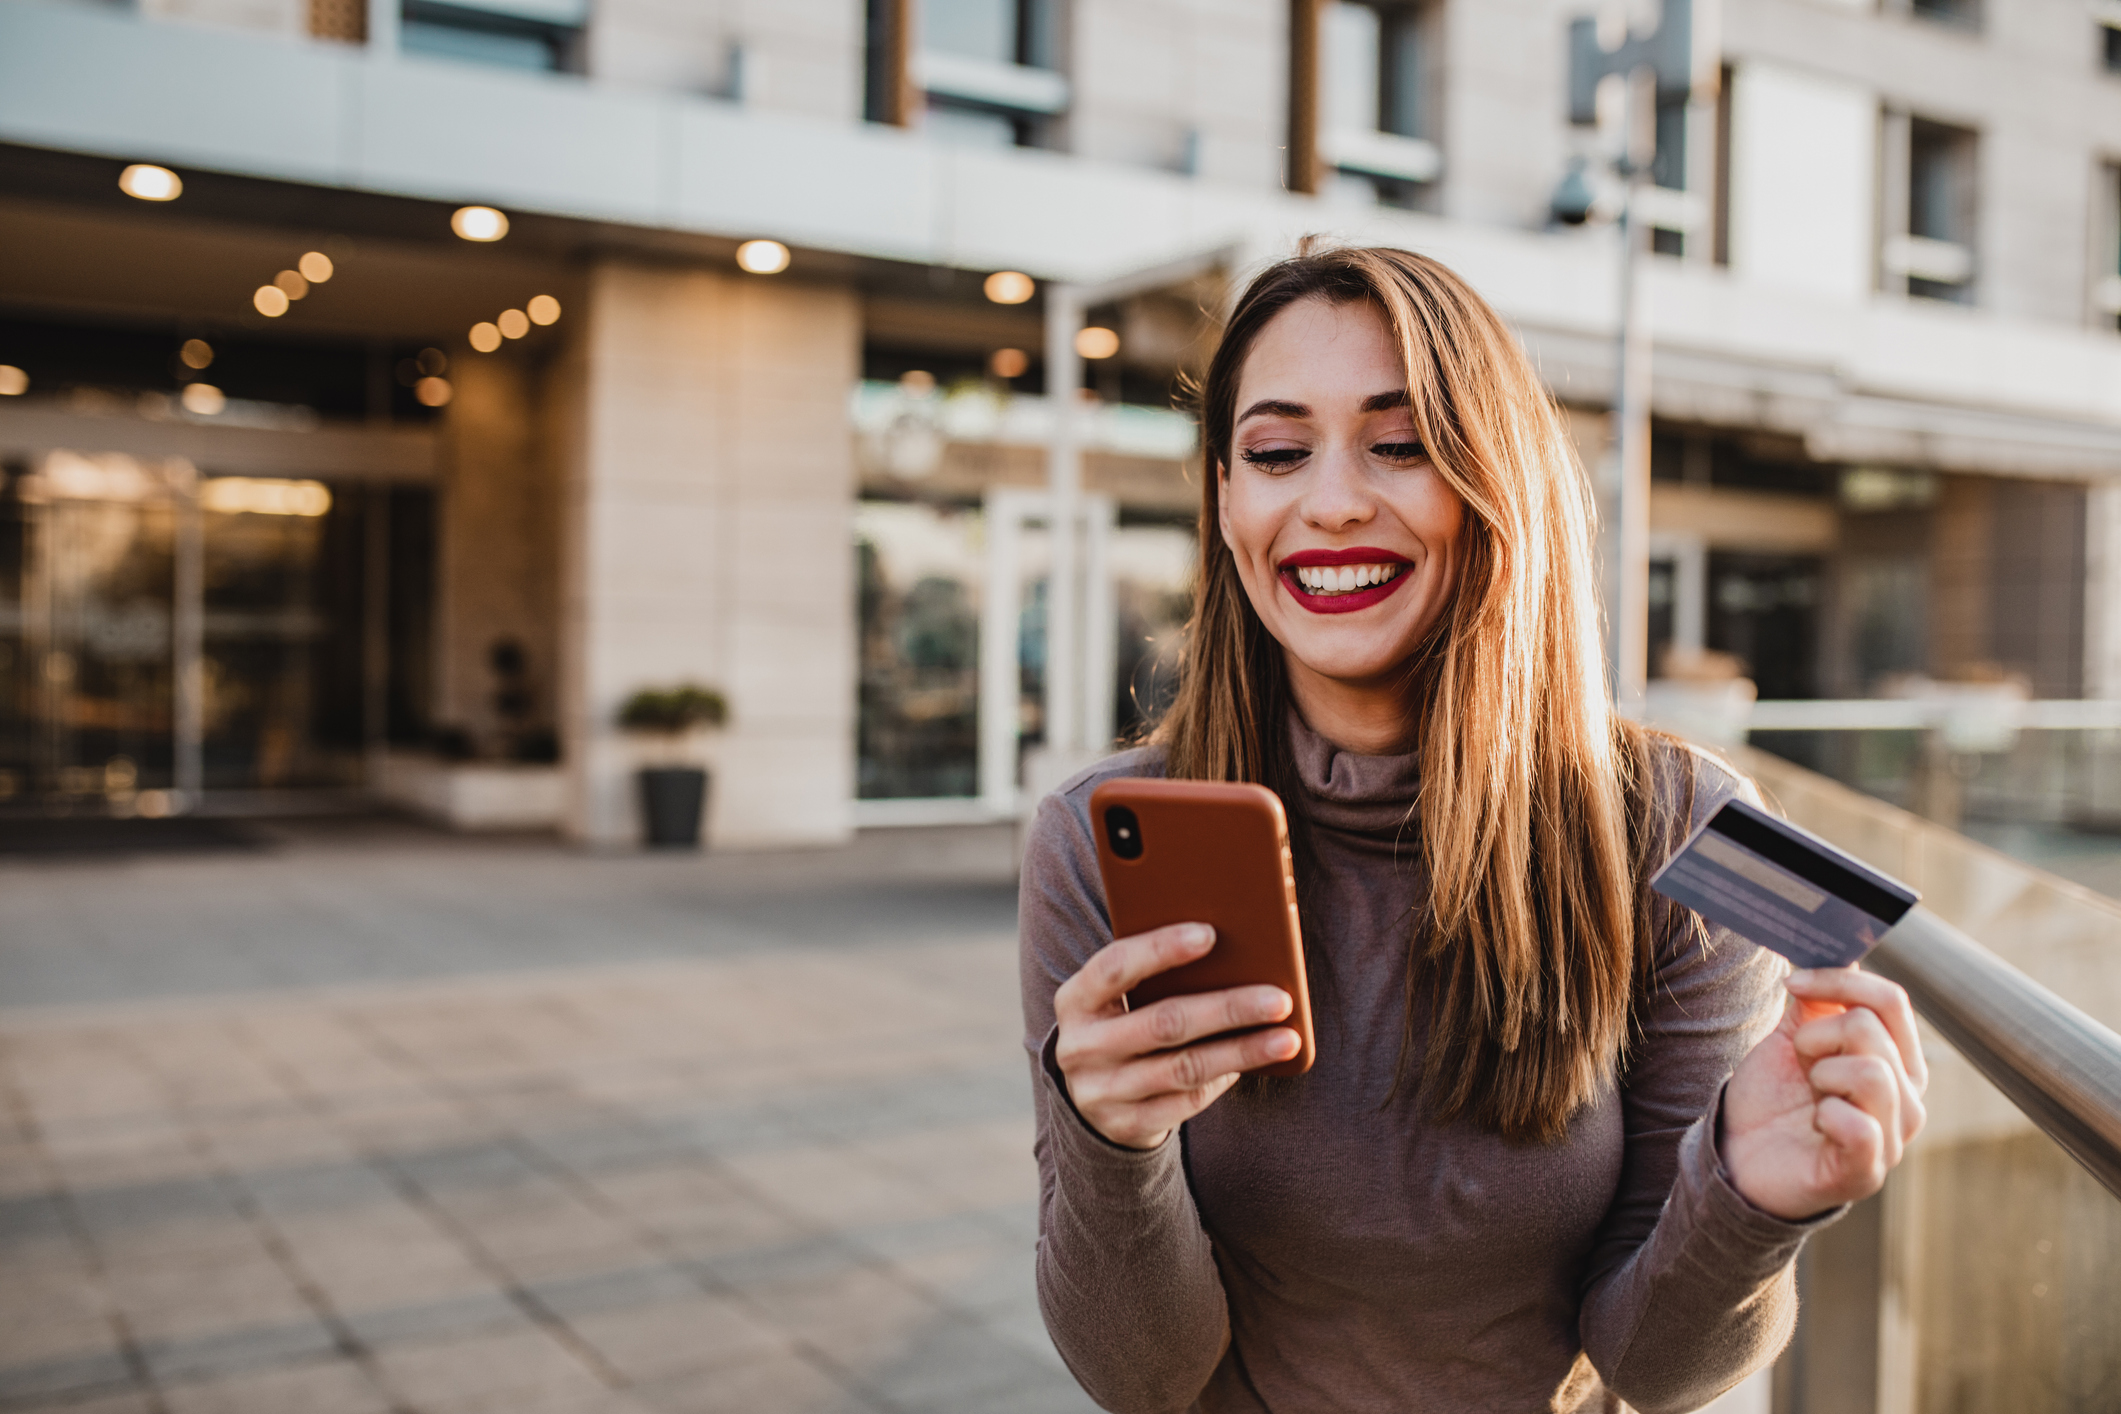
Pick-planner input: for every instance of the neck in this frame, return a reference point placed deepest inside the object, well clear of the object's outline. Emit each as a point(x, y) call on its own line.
point(1367, 718)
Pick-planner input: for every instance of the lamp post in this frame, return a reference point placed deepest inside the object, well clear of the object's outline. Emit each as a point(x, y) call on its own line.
point(1680, 56)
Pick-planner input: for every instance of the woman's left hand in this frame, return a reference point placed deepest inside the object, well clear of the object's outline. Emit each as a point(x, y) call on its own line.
point(1818, 1113)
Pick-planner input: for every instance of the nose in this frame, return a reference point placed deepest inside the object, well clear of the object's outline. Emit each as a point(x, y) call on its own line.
point(1337, 495)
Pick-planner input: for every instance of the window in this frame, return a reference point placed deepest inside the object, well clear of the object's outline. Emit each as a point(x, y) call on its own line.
point(1962, 14)
point(510, 34)
point(990, 70)
point(2106, 270)
point(1378, 119)
point(1668, 167)
point(1930, 208)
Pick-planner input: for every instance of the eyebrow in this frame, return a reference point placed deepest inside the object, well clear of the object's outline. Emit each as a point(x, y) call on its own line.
point(1275, 407)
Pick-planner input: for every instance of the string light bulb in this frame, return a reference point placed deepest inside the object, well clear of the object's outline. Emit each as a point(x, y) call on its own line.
point(1096, 342)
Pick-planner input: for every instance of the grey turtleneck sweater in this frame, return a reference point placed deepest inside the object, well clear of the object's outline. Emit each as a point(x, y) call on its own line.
point(1312, 1245)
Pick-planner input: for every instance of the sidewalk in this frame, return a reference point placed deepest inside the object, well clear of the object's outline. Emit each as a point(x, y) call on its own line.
point(382, 1120)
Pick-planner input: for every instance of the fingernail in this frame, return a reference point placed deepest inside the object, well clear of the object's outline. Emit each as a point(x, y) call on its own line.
point(1285, 1045)
point(1200, 935)
point(1802, 974)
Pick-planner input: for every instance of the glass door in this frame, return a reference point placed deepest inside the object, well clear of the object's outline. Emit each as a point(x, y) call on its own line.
point(88, 551)
point(163, 634)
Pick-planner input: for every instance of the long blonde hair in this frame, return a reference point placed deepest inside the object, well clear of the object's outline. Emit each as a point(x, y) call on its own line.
point(1532, 801)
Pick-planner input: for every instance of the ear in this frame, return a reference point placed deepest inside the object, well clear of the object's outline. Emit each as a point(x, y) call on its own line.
point(1222, 505)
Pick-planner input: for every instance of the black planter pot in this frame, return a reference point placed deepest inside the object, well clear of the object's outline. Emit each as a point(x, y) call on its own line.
point(673, 798)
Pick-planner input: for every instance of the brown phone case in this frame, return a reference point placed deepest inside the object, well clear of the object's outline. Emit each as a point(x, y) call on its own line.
point(1213, 852)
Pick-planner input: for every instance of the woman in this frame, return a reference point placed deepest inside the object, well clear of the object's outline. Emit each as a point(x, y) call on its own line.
point(1562, 1142)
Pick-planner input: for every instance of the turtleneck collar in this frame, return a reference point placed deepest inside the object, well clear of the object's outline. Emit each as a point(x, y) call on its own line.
point(1345, 791)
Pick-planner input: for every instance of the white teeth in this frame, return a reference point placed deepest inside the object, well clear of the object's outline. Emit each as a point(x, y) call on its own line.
point(1343, 579)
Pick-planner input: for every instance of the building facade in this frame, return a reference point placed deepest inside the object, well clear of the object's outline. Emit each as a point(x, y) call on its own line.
point(746, 384)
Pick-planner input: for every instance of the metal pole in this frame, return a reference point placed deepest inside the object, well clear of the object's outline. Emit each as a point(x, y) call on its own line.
point(188, 648)
point(1064, 489)
point(1631, 410)
point(375, 634)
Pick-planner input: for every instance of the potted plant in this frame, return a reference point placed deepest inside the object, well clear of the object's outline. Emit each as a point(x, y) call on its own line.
point(673, 793)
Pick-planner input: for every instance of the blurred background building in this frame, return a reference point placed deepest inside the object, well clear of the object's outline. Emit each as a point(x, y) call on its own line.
point(391, 390)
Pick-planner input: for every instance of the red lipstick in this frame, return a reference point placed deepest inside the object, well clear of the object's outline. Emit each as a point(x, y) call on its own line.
point(1341, 603)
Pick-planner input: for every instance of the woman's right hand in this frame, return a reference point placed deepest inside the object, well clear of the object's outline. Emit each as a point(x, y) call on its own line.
point(1137, 1075)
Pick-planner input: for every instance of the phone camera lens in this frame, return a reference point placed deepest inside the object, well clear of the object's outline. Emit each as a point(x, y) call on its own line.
point(1123, 832)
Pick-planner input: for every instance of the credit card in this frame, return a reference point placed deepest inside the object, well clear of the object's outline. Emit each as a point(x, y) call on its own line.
point(1783, 888)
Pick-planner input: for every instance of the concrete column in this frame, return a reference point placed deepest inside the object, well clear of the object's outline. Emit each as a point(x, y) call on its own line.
point(499, 543)
point(2102, 591)
point(1962, 576)
point(707, 539)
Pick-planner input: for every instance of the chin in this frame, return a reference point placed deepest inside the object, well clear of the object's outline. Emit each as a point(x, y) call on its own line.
point(1356, 655)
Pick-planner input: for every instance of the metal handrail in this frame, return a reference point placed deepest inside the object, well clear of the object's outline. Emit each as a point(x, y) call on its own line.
point(2059, 1066)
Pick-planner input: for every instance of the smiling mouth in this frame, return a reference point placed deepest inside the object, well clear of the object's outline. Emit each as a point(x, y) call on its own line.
point(1343, 581)
point(1325, 581)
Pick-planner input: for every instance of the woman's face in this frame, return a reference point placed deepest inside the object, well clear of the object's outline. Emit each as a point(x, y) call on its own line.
point(1347, 539)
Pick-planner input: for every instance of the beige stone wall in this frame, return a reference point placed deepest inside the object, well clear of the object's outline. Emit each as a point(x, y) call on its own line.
point(272, 16)
point(708, 532)
point(497, 572)
point(800, 56)
point(1146, 73)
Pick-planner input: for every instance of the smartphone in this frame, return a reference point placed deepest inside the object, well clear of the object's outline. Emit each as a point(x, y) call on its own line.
point(1213, 852)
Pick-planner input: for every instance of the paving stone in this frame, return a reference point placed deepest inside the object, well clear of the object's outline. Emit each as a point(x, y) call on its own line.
point(745, 1141)
point(331, 1387)
point(784, 1384)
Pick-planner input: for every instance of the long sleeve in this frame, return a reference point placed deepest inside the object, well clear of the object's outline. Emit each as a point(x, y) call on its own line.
point(1690, 1288)
point(1127, 1279)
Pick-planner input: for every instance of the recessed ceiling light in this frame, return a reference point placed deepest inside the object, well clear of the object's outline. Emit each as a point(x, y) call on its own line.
point(270, 301)
point(543, 309)
point(1009, 287)
point(150, 183)
point(513, 323)
point(13, 381)
point(762, 257)
point(316, 267)
point(485, 337)
point(479, 223)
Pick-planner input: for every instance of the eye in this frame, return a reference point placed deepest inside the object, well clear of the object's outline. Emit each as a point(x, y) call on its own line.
point(1400, 451)
point(1273, 458)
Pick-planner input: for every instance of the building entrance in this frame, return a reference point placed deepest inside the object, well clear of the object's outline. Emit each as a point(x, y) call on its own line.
point(169, 638)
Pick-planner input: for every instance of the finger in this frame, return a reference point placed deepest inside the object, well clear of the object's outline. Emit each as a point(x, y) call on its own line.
point(1176, 1072)
point(1858, 1145)
point(1886, 1000)
point(1868, 1084)
point(1119, 966)
point(1857, 1032)
point(1860, 1032)
point(1177, 1020)
point(1170, 1111)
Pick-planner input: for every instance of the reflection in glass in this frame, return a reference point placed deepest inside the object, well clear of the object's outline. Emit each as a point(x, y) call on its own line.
point(918, 576)
point(1152, 571)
